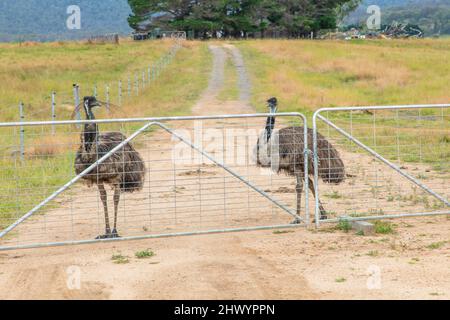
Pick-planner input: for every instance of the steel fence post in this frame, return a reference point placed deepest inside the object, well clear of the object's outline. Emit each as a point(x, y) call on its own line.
point(120, 93)
point(136, 84)
point(76, 95)
point(107, 97)
point(129, 86)
point(53, 111)
point(22, 132)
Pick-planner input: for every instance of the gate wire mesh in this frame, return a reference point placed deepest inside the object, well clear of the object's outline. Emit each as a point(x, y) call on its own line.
point(414, 139)
point(183, 191)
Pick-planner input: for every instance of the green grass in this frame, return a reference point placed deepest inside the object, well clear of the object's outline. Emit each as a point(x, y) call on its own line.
point(436, 245)
point(334, 195)
point(282, 231)
point(373, 253)
point(48, 162)
point(344, 225)
point(308, 75)
point(33, 70)
point(383, 227)
point(340, 280)
point(144, 254)
point(120, 259)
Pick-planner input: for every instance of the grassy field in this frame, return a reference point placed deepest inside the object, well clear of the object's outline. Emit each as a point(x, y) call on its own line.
point(304, 75)
point(307, 75)
point(49, 158)
point(33, 70)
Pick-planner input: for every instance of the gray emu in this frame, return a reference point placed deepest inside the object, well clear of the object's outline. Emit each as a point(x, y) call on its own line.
point(124, 171)
point(289, 146)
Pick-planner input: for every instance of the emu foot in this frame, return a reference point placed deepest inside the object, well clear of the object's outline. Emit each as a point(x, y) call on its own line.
point(323, 216)
point(108, 235)
point(114, 234)
point(103, 236)
point(296, 221)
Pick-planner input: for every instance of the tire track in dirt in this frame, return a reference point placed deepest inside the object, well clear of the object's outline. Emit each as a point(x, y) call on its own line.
point(208, 104)
point(225, 267)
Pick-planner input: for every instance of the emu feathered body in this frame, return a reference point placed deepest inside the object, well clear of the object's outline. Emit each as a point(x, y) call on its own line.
point(124, 168)
point(290, 144)
point(284, 152)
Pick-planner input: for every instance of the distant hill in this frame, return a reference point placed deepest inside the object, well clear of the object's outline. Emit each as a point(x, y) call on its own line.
point(433, 16)
point(46, 19)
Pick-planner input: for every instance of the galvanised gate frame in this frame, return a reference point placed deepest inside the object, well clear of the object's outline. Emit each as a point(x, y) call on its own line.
point(426, 134)
point(164, 125)
point(380, 145)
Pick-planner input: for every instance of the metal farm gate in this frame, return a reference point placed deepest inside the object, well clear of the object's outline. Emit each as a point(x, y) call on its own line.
point(200, 178)
point(396, 158)
point(201, 175)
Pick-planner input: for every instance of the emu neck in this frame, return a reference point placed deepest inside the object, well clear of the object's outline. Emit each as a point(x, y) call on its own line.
point(89, 114)
point(270, 125)
point(90, 132)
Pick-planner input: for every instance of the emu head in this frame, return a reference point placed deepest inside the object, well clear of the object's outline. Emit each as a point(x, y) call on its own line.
point(272, 103)
point(88, 104)
point(90, 133)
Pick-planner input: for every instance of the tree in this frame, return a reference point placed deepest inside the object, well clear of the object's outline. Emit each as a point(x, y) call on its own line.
point(234, 17)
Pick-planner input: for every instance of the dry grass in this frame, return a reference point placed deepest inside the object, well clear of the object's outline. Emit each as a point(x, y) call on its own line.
point(307, 75)
point(33, 70)
point(49, 159)
point(51, 146)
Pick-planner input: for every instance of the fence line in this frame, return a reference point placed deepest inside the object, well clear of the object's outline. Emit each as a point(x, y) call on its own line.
point(142, 78)
point(393, 158)
point(377, 145)
point(107, 38)
point(161, 63)
point(196, 187)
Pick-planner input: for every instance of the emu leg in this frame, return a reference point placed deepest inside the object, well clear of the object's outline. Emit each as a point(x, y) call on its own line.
point(116, 208)
point(323, 213)
point(298, 191)
point(104, 197)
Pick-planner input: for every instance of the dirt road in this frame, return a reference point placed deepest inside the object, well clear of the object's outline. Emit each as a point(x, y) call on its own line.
point(412, 263)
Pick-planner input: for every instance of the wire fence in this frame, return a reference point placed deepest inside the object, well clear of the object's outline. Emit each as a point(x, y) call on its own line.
point(114, 93)
point(106, 38)
point(191, 175)
point(198, 175)
point(396, 160)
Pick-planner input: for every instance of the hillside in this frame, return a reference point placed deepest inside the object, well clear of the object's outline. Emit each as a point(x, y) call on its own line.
point(433, 16)
point(46, 19)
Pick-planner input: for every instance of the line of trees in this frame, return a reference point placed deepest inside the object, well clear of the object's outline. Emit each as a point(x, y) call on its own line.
point(237, 18)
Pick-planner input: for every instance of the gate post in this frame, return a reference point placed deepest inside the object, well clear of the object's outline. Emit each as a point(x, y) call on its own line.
point(76, 94)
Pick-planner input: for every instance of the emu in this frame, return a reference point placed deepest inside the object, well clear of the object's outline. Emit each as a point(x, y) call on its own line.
point(124, 171)
point(288, 143)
